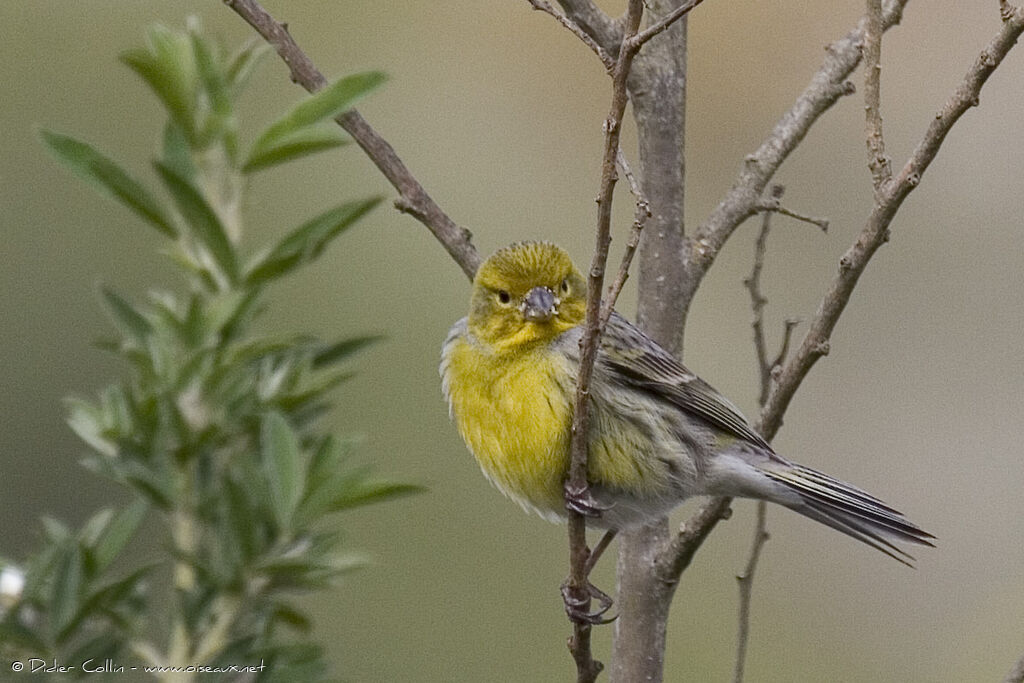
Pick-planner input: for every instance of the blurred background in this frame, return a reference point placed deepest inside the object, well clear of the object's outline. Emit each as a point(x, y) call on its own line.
point(498, 112)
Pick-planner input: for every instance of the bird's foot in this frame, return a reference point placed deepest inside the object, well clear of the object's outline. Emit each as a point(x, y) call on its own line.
point(581, 501)
point(577, 604)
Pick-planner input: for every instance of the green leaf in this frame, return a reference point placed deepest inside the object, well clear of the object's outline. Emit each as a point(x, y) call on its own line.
point(219, 123)
point(328, 459)
point(168, 66)
point(343, 349)
point(112, 596)
point(285, 469)
point(85, 420)
point(371, 492)
point(294, 617)
point(132, 323)
point(108, 176)
point(176, 153)
point(56, 531)
point(327, 103)
point(92, 529)
point(308, 241)
point(295, 145)
point(348, 489)
point(116, 534)
point(202, 219)
point(244, 62)
point(67, 585)
point(13, 633)
point(243, 516)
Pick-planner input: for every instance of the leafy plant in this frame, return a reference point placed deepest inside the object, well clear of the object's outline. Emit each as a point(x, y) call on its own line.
point(214, 429)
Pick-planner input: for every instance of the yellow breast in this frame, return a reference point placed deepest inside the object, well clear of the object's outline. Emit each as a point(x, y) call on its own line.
point(514, 411)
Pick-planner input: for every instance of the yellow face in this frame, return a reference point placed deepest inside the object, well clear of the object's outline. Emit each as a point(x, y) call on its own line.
point(526, 293)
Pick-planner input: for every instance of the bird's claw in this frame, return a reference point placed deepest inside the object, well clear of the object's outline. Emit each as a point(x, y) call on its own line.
point(577, 604)
point(582, 502)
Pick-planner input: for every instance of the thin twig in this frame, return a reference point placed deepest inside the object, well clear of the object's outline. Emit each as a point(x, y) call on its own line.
point(772, 205)
point(413, 199)
point(746, 584)
point(878, 163)
point(587, 668)
point(577, 30)
point(663, 23)
point(766, 370)
point(640, 216)
point(758, 300)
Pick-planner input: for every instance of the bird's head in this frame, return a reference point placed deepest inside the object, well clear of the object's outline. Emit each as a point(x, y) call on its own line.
point(526, 293)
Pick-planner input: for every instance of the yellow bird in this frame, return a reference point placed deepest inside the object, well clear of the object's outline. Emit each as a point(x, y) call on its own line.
point(659, 434)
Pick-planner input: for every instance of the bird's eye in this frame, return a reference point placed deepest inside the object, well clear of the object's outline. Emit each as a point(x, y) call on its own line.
point(503, 296)
point(565, 286)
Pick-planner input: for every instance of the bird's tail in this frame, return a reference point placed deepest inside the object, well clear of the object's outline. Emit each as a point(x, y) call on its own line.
point(847, 508)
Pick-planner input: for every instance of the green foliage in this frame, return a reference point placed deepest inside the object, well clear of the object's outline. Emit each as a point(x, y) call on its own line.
point(213, 431)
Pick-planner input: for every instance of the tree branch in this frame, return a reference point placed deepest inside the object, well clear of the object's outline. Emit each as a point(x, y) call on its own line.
point(826, 87)
point(878, 163)
point(576, 485)
point(746, 584)
point(412, 199)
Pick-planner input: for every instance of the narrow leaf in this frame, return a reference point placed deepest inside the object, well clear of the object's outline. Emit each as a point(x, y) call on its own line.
point(13, 634)
point(86, 421)
point(244, 62)
point(343, 349)
point(202, 219)
point(176, 153)
point(282, 458)
point(117, 533)
point(329, 102)
point(132, 323)
point(108, 176)
point(168, 67)
point(308, 241)
point(300, 143)
point(67, 585)
point(372, 492)
point(92, 529)
point(219, 122)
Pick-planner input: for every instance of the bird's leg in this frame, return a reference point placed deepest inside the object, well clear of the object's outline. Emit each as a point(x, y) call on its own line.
point(577, 605)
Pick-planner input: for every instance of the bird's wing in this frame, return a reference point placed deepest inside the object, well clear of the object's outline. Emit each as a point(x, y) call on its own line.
point(638, 361)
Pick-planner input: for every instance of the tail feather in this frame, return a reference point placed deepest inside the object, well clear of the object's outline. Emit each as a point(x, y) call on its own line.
point(848, 509)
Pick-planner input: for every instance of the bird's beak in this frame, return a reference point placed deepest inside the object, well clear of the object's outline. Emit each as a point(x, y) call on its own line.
point(539, 305)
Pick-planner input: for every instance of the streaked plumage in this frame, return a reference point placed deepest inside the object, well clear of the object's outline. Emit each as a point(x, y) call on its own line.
point(659, 434)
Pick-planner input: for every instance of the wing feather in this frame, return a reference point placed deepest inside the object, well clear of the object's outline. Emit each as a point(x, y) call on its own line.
point(636, 360)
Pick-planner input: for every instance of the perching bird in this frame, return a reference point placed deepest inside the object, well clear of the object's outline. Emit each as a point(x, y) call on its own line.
point(658, 433)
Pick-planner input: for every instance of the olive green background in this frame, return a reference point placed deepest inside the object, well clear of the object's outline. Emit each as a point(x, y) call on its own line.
point(498, 111)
